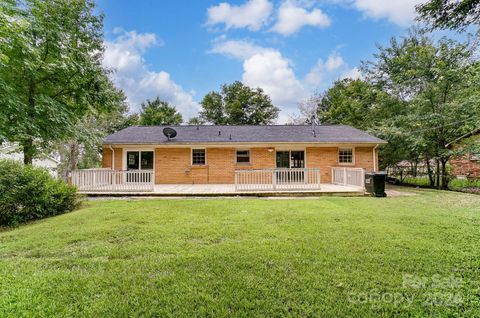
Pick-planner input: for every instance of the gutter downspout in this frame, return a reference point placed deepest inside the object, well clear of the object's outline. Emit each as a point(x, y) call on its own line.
point(375, 158)
point(113, 156)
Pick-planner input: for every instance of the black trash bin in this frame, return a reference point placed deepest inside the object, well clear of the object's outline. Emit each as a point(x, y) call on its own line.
point(375, 183)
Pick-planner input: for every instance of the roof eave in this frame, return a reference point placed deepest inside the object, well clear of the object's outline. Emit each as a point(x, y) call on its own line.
point(380, 142)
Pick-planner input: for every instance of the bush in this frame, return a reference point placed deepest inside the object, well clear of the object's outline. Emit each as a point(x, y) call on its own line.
point(28, 193)
point(417, 181)
point(465, 185)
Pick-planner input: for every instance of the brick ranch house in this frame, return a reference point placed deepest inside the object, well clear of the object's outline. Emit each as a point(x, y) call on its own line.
point(207, 154)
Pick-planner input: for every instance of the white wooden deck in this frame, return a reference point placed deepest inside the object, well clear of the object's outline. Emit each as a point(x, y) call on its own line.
point(229, 190)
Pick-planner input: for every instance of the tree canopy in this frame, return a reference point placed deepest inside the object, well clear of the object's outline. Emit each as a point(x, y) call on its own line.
point(238, 104)
point(417, 93)
point(450, 14)
point(356, 103)
point(51, 74)
point(158, 112)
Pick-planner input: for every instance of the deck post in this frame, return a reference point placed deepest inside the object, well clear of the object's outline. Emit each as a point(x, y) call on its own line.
point(152, 180)
point(236, 181)
point(363, 178)
point(274, 179)
point(114, 180)
point(319, 175)
point(344, 176)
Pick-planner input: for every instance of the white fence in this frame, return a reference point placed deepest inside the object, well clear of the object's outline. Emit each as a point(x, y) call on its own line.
point(108, 180)
point(277, 179)
point(348, 176)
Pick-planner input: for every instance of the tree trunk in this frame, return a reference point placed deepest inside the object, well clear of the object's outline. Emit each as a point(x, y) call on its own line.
point(28, 148)
point(28, 151)
point(429, 171)
point(415, 168)
point(444, 174)
point(437, 175)
point(73, 155)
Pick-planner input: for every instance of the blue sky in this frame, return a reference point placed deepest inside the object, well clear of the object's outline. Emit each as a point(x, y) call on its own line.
point(180, 50)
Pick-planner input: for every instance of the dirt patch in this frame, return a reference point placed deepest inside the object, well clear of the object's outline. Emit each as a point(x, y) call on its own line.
point(397, 191)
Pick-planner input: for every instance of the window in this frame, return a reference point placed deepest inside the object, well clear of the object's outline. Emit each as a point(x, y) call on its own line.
point(243, 156)
point(139, 160)
point(198, 156)
point(345, 155)
point(146, 162)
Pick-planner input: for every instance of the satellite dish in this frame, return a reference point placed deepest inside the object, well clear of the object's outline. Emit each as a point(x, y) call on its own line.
point(169, 132)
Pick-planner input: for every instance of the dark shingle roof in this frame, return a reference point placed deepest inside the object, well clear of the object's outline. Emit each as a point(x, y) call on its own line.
point(226, 134)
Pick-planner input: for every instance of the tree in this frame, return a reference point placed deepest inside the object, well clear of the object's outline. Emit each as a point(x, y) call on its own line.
point(356, 103)
point(51, 74)
point(157, 112)
point(365, 106)
point(308, 111)
point(237, 104)
point(83, 148)
point(431, 79)
point(450, 14)
point(196, 121)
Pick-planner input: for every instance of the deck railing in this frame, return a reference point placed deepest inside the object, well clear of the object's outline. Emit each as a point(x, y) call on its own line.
point(107, 180)
point(277, 179)
point(348, 176)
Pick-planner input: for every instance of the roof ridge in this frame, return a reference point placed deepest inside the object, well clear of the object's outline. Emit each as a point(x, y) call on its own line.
point(249, 125)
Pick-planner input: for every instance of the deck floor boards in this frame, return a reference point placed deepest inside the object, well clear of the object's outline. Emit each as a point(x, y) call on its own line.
point(228, 190)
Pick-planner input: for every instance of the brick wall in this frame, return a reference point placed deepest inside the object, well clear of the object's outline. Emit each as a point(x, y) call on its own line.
point(223, 158)
point(260, 158)
point(173, 165)
point(107, 158)
point(323, 158)
point(327, 157)
point(464, 166)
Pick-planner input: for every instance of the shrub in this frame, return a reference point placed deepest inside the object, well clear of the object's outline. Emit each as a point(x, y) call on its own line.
point(418, 181)
point(465, 185)
point(28, 193)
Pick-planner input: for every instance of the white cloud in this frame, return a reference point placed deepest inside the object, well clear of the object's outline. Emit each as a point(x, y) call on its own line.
point(252, 15)
point(237, 49)
point(401, 12)
point(268, 69)
point(265, 68)
point(133, 76)
point(353, 73)
point(291, 17)
point(323, 71)
point(272, 72)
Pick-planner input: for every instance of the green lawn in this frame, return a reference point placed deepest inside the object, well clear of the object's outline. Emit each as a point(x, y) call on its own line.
point(411, 255)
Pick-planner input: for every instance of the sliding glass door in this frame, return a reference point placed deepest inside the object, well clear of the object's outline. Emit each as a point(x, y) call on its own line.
point(290, 160)
point(139, 160)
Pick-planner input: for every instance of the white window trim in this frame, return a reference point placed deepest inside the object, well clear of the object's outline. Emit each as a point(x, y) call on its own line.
point(126, 150)
point(249, 157)
point(346, 163)
point(191, 157)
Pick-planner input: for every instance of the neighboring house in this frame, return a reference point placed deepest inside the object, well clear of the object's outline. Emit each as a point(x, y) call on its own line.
point(212, 154)
point(468, 164)
point(13, 152)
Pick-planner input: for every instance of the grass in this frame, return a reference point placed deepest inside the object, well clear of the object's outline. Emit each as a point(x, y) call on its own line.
point(413, 255)
point(471, 185)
